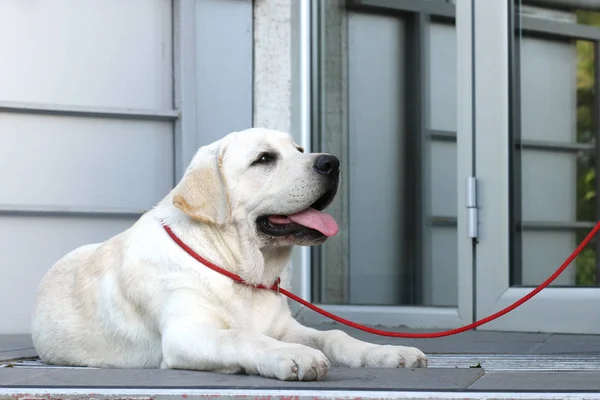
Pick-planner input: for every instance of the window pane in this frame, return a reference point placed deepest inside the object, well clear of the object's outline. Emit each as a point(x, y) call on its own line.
point(554, 154)
point(398, 204)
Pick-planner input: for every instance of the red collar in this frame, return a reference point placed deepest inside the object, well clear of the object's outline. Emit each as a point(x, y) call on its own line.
point(216, 268)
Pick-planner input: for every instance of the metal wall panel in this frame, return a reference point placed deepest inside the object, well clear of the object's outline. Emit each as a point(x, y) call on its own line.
point(72, 178)
point(110, 73)
point(224, 70)
point(95, 52)
point(84, 162)
point(29, 247)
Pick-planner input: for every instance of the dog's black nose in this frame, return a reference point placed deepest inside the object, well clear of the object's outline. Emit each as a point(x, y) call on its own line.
point(327, 165)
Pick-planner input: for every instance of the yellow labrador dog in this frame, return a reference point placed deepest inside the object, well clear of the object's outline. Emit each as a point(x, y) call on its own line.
point(139, 300)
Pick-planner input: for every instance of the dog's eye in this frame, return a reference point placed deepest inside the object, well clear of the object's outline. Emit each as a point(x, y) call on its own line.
point(265, 158)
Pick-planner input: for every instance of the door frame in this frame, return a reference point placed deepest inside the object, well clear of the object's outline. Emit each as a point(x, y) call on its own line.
point(423, 316)
point(552, 309)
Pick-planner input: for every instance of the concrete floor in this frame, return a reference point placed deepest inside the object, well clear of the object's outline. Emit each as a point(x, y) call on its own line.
point(470, 365)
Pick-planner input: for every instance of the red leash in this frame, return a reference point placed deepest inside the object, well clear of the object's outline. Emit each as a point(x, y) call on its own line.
point(475, 324)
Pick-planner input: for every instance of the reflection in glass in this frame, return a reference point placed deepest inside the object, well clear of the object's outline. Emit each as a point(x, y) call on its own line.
point(397, 207)
point(555, 128)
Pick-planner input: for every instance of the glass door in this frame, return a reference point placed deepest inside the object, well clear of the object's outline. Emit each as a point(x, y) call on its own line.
point(536, 134)
point(386, 79)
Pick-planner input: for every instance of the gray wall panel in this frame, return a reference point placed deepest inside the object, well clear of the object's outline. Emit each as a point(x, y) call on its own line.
point(107, 53)
point(30, 246)
point(224, 68)
point(84, 162)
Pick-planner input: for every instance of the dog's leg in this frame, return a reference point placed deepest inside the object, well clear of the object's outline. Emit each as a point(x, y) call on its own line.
point(201, 347)
point(345, 351)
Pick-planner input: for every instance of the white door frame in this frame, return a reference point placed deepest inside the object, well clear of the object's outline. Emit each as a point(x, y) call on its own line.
point(560, 310)
point(423, 316)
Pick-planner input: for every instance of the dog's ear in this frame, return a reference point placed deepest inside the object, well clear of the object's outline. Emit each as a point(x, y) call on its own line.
point(202, 193)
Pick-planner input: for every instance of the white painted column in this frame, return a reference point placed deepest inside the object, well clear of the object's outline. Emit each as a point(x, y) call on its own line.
point(282, 88)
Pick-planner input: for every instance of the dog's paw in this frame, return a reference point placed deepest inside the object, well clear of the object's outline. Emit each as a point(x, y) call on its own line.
point(393, 357)
point(294, 363)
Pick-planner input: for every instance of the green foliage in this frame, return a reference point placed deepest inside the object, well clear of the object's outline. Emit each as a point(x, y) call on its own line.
point(586, 268)
point(586, 162)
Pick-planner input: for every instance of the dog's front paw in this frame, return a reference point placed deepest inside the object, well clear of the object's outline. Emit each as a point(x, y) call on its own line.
point(393, 357)
point(294, 363)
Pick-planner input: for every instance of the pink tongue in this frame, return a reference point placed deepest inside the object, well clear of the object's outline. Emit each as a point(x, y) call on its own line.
point(312, 219)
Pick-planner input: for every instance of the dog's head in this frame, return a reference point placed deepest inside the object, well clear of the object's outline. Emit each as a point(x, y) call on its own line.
point(262, 181)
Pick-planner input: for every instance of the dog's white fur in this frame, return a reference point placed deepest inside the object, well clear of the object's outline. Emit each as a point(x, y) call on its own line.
point(139, 301)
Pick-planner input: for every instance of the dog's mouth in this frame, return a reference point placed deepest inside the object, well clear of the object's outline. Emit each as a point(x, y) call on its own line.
point(310, 221)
